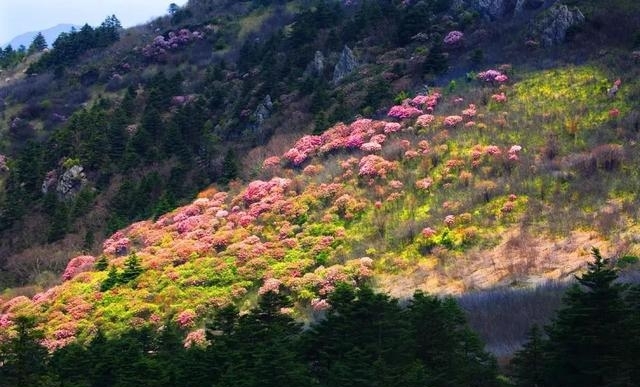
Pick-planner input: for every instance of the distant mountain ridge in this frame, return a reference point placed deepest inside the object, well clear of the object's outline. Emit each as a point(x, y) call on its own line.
point(50, 35)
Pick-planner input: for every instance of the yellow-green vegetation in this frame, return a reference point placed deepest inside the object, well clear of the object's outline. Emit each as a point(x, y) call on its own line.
point(253, 21)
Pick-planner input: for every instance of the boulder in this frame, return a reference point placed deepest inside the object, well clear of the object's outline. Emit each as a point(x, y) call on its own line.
point(71, 182)
point(552, 26)
point(345, 66)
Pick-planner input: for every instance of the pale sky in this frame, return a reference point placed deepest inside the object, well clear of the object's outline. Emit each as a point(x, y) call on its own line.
point(20, 16)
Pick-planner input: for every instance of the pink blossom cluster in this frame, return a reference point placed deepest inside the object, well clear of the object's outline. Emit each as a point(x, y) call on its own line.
point(270, 285)
point(500, 98)
point(470, 111)
point(78, 265)
point(5, 320)
point(320, 304)
point(333, 276)
point(427, 102)
point(425, 119)
point(514, 152)
point(452, 121)
point(392, 127)
point(453, 37)
point(492, 76)
point(271, 162)
point(424, 184)
point(161, 45)
point(197, 338)
point(371, 147)
point(304, 147)
point(404, 111)
point(186, 318)
point(258, 189)
point(117, 244)
point(493, 150)
point(375, 166)
point(428, 232)
point(396, 184)
point(449, 220)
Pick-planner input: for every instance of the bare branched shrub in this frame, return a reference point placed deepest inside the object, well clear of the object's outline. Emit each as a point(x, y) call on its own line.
point(502, 317)
point(608, 156)
point(583, 163)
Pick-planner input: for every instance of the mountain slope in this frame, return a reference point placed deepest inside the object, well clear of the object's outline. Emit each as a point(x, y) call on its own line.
point(500, 176)
point(455, 191)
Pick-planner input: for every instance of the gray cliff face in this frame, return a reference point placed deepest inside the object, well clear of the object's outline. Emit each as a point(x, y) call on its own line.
point(68, 185)
point(502, 9)
point(494, 9)
point(551, 28)
point(345, 66)
point(263, 111)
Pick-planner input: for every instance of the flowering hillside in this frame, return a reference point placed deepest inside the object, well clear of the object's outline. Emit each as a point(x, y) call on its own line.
point(453, 191)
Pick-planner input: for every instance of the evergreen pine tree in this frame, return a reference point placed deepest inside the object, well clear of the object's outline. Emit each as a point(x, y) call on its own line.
point(528, 364)
point(37, 44)
point(588, 338)
point(132, 269)
point(22, 358)
point(112, 280)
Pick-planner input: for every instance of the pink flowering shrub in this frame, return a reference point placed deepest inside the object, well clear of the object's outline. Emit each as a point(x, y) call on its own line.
point(492, 76)
point(320, 305)
point(424, 120)
point(375, 166)
point(391, 127)
point(197, 338)
point(492, 150)
point(411, 154)
point(449, 220)
point(470, 111)
point(5, 320)
point(271, 162)
point(453, 38)
point(404, 111)
point(186, 318)
point(355, 141)
point(371, 147)
point(428, 232)
point(78, 265)
point(270, 285)
point(117, 244)
point(424, 184)
point(514, 153)
point(500, 98)
point(258, 189)
point(452, 121)
point(162, 45)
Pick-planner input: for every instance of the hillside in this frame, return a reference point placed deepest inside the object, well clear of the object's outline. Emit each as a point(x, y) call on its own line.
point(516, 158)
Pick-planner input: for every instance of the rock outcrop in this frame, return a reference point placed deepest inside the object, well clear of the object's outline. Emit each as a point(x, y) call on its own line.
point(345, 66)
point(552, 26)
point(263, 111)
point(68, 185)
point(494, 9)
point(315, 68)
point(71, 182)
